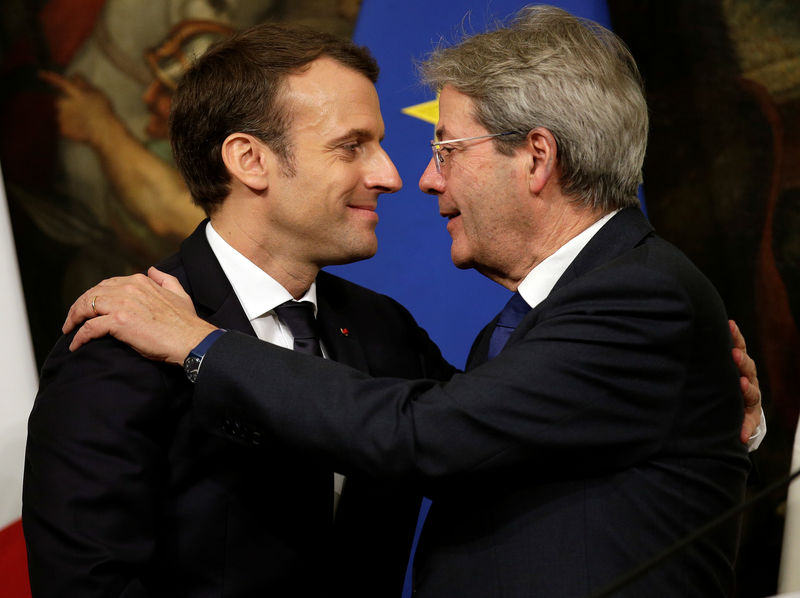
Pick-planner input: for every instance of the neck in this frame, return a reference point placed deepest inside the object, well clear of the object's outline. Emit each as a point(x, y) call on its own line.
point(245, 234)
point(558, 226)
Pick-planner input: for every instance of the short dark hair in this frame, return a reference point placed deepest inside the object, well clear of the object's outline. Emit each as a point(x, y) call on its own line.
point(236, 87)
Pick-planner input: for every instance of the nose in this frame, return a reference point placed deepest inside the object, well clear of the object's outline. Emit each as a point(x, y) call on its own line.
point(431, 181)
point(383, 176)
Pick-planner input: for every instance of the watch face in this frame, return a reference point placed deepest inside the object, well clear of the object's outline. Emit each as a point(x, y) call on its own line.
point(192, 366)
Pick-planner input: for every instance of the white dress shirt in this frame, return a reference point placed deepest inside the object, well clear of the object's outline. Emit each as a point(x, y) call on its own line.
point(536, 286)
point(259, 294)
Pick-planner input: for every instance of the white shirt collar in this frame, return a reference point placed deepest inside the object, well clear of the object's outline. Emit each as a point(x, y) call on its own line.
point(536, 286)
point(257, 291)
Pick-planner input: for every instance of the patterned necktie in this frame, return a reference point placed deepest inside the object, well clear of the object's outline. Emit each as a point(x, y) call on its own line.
point(509, 319)
point(299, 317)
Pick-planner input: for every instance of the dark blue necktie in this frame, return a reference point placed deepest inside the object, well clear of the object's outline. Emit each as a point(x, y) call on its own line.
point(509, 319)
point(299, 317)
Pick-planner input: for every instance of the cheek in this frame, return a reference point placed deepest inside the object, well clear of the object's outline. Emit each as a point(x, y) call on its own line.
point(350, 183)
point(473, 221)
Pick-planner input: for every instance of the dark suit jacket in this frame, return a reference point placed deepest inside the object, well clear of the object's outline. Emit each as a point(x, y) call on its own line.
point(125, 496)
point(606, 430)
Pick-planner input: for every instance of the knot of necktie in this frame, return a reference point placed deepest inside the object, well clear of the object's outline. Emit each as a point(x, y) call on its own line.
point(299, 317)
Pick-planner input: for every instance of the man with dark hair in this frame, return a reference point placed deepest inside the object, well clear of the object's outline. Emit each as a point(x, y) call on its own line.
point(598, 421)
point(277, 132)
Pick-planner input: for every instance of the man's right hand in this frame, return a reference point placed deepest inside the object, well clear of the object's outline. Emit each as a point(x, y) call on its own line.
point(753, 429)
point(152, 314)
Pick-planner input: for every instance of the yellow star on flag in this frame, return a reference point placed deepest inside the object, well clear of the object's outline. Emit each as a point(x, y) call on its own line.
point(427, 111)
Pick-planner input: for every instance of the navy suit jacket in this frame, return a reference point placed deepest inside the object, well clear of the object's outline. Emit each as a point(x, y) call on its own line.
point(124, 495)
point(606, 430)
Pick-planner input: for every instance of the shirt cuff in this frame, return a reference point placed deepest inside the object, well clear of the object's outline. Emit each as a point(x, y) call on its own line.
point(755, 440)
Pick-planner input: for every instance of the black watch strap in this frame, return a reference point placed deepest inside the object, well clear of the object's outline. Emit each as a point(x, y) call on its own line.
point(191, 365)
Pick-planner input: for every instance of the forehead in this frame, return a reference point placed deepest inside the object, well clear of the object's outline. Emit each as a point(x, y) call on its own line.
point(456, 115)
point(328, 98)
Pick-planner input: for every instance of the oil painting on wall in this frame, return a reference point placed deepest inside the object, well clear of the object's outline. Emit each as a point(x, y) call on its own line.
point(86, 162)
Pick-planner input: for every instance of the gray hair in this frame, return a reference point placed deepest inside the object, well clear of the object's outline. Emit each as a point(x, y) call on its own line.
point(571, 76)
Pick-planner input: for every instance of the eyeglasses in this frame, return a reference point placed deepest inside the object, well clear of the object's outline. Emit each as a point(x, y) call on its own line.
point(438, 158)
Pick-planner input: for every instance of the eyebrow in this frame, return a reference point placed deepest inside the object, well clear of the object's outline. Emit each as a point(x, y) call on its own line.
point(357, 133)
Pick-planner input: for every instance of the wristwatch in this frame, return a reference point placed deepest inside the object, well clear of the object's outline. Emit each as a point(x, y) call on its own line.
point(191, 365)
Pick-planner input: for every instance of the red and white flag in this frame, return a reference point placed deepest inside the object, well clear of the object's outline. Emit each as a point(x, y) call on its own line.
point(18, 383)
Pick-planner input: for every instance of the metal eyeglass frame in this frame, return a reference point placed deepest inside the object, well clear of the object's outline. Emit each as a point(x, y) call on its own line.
point(438, 158)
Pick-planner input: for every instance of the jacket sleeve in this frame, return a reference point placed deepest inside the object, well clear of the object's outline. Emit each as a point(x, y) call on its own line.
point(94, 467)
point(602, 372)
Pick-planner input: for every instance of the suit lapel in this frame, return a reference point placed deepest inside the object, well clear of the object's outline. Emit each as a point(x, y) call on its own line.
point(479, 353)
point(210, 289)
point(623, 232)
point(339, 331)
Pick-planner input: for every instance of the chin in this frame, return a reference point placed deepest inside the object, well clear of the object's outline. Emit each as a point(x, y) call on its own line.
point(462, 264)
point(364, 255)
point(367, 249)
point(460, 260)
point(354, 255)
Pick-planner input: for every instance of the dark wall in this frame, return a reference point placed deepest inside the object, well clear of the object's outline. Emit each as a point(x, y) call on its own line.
point(718, 183)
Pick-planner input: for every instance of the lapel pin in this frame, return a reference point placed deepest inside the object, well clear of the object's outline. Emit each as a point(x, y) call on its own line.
point(344, 331)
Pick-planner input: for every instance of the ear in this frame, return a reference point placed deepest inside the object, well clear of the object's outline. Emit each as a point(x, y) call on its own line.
point(247, 160)
point(543, 151)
